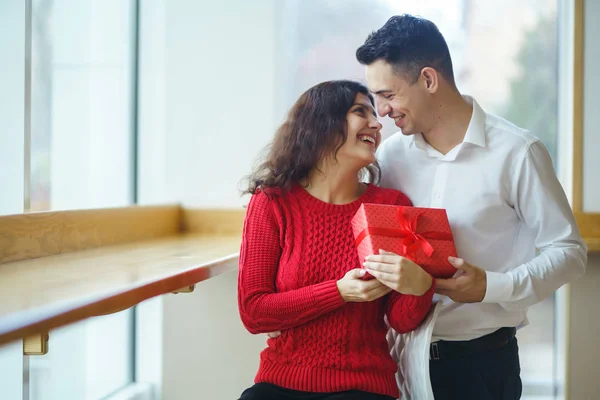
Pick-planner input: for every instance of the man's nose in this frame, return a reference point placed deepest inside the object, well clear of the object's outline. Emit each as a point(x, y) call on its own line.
point(383, 109)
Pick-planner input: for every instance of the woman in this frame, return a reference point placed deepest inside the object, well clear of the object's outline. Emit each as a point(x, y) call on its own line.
point(299, 270)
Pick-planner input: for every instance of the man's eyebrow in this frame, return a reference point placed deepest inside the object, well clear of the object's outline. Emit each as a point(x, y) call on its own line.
point(382, 91)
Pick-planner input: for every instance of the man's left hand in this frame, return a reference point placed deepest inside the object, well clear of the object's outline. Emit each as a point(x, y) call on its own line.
point(469, 286)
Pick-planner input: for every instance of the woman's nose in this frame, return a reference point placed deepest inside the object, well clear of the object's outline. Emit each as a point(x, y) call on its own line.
point(374, 123)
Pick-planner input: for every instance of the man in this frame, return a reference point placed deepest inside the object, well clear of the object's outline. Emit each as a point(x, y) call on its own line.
point(503, 200)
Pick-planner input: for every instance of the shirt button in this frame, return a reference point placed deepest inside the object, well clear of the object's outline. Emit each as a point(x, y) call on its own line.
point(436, 196)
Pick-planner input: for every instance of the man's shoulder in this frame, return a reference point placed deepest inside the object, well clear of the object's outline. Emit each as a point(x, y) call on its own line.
point(503, 132)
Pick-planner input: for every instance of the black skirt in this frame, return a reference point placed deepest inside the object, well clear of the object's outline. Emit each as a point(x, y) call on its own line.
point(267, 391)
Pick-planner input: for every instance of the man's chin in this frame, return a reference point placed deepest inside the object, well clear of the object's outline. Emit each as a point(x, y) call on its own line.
point(405, 130)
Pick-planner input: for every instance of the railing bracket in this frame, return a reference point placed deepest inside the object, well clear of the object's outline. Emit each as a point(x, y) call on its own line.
point(36, 345)
point(186, 289)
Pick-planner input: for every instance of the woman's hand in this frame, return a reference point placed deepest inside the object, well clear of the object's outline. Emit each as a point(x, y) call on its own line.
point(399, 273)
point(354, 289)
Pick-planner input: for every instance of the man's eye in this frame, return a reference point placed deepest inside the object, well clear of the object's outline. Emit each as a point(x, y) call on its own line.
point(388, 96)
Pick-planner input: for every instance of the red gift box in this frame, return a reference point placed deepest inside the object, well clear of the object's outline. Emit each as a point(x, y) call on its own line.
point(422, 235)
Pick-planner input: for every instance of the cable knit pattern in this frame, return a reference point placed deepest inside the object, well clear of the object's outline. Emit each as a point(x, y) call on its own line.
point(294, 249)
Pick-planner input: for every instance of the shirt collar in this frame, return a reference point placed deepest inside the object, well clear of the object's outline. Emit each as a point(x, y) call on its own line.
point(476, 130)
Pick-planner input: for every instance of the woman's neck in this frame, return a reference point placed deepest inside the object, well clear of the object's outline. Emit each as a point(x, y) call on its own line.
point(334, 185)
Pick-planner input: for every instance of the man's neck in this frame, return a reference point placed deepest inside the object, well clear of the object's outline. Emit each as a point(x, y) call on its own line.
point(452, 118)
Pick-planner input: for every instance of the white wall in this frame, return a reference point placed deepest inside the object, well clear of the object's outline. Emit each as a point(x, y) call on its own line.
point(206, 109)
point(219, 95)
point(207, 353)
point(203, 80)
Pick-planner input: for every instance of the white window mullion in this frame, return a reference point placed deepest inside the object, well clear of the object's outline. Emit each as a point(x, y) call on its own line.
point(12, 158)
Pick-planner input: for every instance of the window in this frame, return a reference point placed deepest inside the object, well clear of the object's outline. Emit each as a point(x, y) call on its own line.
point(82, 85)
point(76, 149)
point(517, 80)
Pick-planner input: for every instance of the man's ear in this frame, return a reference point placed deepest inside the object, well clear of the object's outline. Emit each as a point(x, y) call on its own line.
point(430, 79)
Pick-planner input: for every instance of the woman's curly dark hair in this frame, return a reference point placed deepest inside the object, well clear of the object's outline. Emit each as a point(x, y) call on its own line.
point(315, 127)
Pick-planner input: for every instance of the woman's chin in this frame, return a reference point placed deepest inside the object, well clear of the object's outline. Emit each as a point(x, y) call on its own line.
point(358, 161)
point(366, 161)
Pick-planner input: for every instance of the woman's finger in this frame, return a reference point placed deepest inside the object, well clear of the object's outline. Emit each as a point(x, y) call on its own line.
point(385, 278)
point(384, 258)
point(384, 268)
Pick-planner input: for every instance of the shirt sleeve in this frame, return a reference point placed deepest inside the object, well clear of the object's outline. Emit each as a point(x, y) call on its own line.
point(542, 205)
point(262, 308)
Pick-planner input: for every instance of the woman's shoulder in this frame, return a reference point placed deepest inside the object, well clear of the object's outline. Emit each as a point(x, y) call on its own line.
point(271, 198)
point(267, 194)
point(390, 196)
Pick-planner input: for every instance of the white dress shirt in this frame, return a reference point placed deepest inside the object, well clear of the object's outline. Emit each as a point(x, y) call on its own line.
point(503, 201)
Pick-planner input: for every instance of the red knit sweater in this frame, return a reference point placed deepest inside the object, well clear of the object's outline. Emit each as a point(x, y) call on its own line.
point(294, 249)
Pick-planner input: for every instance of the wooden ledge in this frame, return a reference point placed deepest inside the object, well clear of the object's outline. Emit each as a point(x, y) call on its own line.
point(61, 267)
point(593, 244)
point(589, 227)
point(45, 293)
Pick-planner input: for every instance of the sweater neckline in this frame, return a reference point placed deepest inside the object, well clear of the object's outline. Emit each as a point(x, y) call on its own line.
point(317, 204)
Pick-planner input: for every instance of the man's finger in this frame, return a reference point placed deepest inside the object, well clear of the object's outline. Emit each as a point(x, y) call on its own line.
point(443, 292)
point(458, 263)
point(274, 335)
point(445, 284)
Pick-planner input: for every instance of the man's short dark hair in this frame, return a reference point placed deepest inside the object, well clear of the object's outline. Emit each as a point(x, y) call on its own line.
point(409, 44)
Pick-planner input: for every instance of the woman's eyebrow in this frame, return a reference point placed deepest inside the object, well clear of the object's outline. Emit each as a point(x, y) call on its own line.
point(367, 106)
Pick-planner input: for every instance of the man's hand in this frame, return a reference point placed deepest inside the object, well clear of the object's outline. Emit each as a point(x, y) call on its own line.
point(467, 287)
point(274, 335)
point(398, 273)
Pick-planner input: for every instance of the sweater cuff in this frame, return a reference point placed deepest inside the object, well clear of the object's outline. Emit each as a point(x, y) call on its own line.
point(426, 297)
point(431, 291)
point(327, 296)
point(499, 287)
